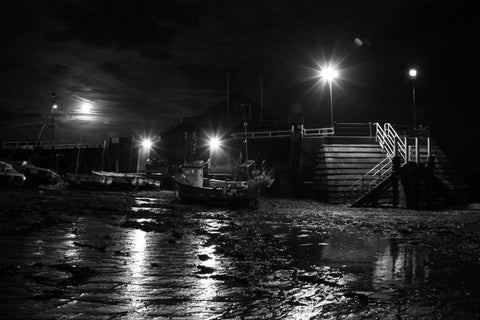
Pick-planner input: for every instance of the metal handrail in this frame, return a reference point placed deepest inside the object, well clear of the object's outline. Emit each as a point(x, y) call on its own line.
point(379, 170)
point(316, 132)
point(262, 134)
point(392, 145)
point(390, 141)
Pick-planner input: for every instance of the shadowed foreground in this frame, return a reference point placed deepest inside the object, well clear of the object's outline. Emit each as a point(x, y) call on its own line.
point(143, 255)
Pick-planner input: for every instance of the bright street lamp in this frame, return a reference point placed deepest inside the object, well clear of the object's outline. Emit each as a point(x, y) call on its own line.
point(413, 73)
point(214, 143)
point(329, 74)
point(147, 144)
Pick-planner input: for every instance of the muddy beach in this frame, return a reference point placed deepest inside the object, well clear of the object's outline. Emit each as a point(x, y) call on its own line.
point(144, 255)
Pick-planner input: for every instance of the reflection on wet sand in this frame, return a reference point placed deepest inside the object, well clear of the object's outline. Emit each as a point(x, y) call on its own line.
point(137, 240)
point(156, 259)
point(391, 262)
point(400, 263)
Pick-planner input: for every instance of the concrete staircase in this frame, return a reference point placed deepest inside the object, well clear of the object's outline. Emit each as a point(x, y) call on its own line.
point(340, 163)
point(358, 171)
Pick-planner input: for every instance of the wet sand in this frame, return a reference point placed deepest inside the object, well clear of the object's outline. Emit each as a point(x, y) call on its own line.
point(143, 255)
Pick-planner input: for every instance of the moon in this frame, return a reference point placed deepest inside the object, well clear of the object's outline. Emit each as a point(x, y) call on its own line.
point(86, 107)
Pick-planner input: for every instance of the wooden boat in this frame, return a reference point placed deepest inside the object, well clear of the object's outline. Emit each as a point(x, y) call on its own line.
point(36, 176)
point(193, 187)
point(88, 181)
point(127, 181)
point(9, 176)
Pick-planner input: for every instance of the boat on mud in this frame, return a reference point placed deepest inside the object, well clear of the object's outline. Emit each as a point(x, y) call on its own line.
point(192, 186)
point(88, 181)
point(127, 181)
point(36, 176)
point(9, 176)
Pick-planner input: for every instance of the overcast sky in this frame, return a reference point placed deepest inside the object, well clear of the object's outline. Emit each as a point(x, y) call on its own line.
point(140, 67)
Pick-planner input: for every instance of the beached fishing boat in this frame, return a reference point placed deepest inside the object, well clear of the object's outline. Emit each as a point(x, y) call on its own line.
point(87, 181)
point(127, 181)
point(36, 176)
point(192, 186)
point(9, 176)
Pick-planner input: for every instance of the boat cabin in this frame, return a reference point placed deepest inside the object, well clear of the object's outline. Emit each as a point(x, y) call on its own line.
point(194, 174)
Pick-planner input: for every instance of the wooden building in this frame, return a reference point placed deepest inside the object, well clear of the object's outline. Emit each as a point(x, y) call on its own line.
point(188, 139)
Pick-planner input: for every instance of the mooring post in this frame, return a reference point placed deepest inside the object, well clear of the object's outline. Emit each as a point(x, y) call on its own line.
point(290, 160)
point(429, 176)
point(395, 173)
point(416, 150)
point(185, 137)
point(300, 160)
point(429, 151)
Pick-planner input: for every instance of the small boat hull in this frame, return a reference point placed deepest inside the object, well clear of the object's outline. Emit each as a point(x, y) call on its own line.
point(88, 181)
point(127, 181)
point(36, 176)
point(9, 176)
point(226, 195)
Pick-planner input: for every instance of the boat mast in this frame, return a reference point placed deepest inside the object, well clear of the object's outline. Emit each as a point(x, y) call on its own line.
point(78, 158)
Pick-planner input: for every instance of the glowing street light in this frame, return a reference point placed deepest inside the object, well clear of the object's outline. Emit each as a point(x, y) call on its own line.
point(147, 144)
point(214, 144)
point(329, 74)
point(413, 73)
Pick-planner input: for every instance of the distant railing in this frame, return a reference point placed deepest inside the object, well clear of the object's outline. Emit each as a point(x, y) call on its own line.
point(318, 132)
point(308, 133)
point(57, 144)
point(263, 134)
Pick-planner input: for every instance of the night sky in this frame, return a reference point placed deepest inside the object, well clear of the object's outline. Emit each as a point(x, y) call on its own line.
point(140, 66)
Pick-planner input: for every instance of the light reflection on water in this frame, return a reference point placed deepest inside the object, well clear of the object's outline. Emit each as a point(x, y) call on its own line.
point(136, 268)
point(374, 260)
point(401, 263)
point(207, 286)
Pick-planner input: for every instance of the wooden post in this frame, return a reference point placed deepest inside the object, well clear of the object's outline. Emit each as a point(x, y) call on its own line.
point(185, 136)
point(292, 154)
point(429, 151)
point(300, 156)
point(395, 173)
point(416, 150)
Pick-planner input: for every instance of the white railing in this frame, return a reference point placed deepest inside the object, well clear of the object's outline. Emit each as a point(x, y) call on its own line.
point(392, 145)
point(309, 133)
point(263, 134)
point(390, 141)
point(318, 132)
point(370, 179)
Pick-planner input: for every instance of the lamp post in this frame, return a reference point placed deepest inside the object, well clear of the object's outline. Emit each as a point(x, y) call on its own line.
point(329, 74)
point(54, 106)
point(413, 73)
point(146, 145)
